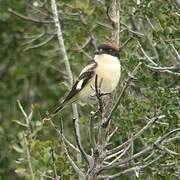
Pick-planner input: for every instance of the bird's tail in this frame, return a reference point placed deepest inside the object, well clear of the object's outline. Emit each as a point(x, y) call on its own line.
point(58, 108)
point(62, 105)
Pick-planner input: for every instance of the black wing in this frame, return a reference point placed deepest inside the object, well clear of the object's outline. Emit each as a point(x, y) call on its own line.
point(85, 76)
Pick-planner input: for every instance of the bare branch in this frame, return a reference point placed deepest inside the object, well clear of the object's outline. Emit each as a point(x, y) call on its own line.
point(34, 38)
point(145, 54)
point(76, 168)
point(29, 158)
point(40, 44)
point(112, 133)
point(84, 52)
point(149, 124)
point(125, 43)
point(113, 155)
point(65, 59)
point(104, 25)
point(125, 161)
point(91, 130)
point(131, 30)
point(70, 144)
point(121, 155)
point(135, 169)
point(165, 69)
point(28, 18)
point(62, 135)
point(142, 152)
point(28, 118)
point(127, 83)
point(168, 151)
point(79, 145)
point(168, 134)
point(172, 139)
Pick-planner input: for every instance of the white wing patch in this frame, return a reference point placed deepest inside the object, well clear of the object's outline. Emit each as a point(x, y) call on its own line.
point(79, 85)
point(87, 68)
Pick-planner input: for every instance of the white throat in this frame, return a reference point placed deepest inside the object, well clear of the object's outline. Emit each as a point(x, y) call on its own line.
point(105, 58)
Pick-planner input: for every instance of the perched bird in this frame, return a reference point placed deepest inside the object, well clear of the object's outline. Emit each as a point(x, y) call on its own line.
point(105, 67)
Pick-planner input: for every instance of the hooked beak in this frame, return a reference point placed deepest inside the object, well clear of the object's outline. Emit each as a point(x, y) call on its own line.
point(96, 51)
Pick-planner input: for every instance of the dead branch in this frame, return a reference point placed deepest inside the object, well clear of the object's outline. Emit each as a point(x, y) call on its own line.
point(76, 168)
point(26, 18)
point(127, 83)
point(66, 61)
point(28, 117)
point(149, 124)
point(29, 158)
point(40, 44)
point(79, 145)
point(133, 170)
point(91, 130)
point(146, 150)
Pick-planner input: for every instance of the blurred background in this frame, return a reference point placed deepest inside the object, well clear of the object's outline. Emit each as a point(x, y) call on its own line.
point(32, 71)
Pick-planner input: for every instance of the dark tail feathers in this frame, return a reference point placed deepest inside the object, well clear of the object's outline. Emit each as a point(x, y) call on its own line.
point(57, 108)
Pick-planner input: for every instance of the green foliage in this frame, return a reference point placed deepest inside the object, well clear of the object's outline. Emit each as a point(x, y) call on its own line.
point(37, 77)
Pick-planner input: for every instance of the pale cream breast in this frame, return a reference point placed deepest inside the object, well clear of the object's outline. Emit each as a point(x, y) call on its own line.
point(108, 72)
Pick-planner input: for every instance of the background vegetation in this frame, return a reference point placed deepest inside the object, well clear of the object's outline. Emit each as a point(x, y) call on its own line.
point(32, 71)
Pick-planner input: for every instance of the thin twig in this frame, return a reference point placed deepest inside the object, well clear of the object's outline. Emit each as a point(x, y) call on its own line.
point(104, 25)
point(125, 43)
point(63, 136)
point(34, 38)
point(76, 168)
point(29, 158)
point(91, 130)
point(172, 139)
point(121, 155)
point(112, 133)
point(70, 144)
point(79, 145)
point(165, 136)
point(142, 152)
point(84, 52)
point(132, 31)
point(165, 69)
point(134, 169)
point(28, 18)
point(149, 124)
point(40, 44)
point(28, 118)
point(66, 61)
point(127, 83)
point(145, 54)
point(114, 155)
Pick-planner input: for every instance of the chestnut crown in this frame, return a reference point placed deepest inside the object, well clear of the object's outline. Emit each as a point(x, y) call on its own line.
point(107, 49)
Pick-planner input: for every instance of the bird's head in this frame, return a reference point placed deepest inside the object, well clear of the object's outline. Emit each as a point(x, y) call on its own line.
point(109, 49)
